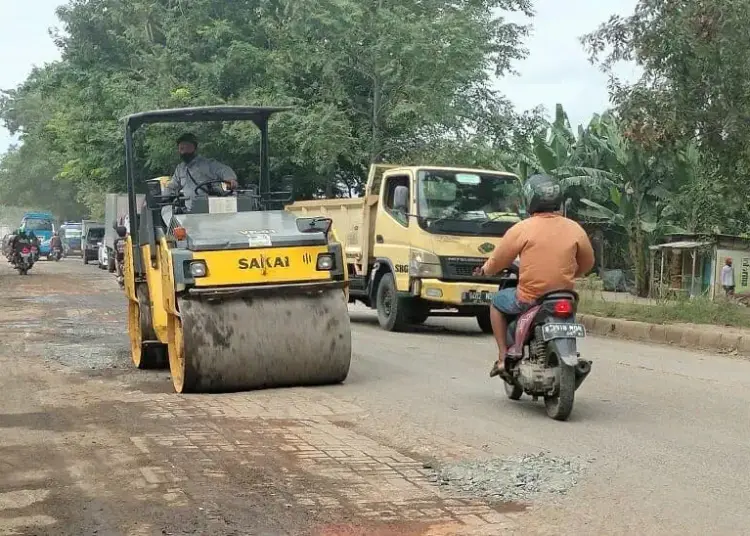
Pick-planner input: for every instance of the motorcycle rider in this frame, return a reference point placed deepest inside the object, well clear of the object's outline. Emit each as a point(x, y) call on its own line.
point(28, 235)
point(55, 241)
point(22, 234)
point(553, 251)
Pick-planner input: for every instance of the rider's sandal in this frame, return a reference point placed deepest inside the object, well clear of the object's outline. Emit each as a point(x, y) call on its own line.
point(497, 369)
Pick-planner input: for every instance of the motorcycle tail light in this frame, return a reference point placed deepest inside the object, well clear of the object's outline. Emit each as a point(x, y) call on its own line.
point(25, 251)
point(563, 308)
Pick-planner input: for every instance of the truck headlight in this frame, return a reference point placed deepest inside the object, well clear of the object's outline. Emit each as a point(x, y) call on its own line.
point(424, 264)
point(198, 269)
point(325, 262)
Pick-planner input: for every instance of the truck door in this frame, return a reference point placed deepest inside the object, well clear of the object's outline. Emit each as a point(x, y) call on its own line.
point(391, 230)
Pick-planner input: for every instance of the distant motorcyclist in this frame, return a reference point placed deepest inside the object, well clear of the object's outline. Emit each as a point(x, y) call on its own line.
point(55, 241)
point(195, 170)
point(22, 233)
point(553, 251)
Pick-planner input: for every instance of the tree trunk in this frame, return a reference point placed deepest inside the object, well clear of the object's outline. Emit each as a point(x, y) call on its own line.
point(637, 247)
point(375, 143)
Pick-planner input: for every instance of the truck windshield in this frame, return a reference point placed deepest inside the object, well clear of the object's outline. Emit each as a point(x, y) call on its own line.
point(452, 202)
point(95, 235)
point(37, 225)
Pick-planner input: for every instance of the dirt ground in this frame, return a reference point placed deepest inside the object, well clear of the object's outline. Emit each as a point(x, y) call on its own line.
point(91, 446)
point(657, 443)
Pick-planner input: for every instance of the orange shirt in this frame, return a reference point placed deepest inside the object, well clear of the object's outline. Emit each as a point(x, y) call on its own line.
point(553, 252)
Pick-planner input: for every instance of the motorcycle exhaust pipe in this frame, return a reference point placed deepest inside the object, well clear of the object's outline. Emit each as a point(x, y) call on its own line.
point(582, 370)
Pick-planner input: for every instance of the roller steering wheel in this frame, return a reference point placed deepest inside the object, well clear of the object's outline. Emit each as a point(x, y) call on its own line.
point(203, 186)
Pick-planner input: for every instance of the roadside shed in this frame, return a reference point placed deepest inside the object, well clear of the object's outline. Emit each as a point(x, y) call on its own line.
point(691, 265)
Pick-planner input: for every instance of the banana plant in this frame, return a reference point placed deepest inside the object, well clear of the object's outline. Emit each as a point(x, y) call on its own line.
point(574, 160)
point(638, 196)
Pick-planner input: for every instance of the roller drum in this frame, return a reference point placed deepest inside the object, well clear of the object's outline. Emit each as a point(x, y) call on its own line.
point(261, 342)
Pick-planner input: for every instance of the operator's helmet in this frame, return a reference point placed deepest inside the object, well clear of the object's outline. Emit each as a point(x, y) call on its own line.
point(542, 193)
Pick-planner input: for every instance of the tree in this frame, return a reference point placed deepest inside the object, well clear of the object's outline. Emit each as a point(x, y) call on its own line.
point(694, 88)
point(369, 81)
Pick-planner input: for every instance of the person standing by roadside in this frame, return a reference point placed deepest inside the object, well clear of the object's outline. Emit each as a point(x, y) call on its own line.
point(727, 277)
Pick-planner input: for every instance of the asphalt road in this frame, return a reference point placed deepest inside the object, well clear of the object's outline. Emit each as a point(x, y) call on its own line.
point(90, 446)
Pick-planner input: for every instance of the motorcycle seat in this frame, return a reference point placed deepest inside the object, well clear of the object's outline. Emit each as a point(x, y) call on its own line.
point(557, 295)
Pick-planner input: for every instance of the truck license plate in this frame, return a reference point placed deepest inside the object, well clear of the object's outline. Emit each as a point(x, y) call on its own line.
point(475, 296)
point(562, 331)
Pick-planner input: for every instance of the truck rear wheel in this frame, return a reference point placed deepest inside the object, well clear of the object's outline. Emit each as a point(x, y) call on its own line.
point(393, 311)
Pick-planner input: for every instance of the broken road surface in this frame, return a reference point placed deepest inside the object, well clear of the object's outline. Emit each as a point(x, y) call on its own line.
point(418, 441)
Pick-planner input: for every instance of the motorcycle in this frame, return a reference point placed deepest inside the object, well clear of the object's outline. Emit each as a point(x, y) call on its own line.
point(120, 255)
point(542, 359)
point(23, 259)
point(55, 253)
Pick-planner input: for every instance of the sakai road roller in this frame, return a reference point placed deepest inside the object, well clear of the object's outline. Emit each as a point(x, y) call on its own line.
point(233, 292)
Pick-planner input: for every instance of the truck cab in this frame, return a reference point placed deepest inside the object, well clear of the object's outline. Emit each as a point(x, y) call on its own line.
point(92, 233)
point(41, 223)
point(70, 233)
point(413, 241)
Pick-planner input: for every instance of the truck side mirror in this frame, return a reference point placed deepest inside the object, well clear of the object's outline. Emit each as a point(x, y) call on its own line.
point(401, 198)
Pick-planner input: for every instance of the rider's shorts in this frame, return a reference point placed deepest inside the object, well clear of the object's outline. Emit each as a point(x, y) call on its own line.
point(507, 302)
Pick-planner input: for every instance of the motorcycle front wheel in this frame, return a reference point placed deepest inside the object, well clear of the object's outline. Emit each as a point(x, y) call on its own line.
point(559, 406)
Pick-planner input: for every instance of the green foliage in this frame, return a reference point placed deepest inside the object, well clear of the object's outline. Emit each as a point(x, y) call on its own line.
point(401, 82)
point(694, 90)
point(381, 80)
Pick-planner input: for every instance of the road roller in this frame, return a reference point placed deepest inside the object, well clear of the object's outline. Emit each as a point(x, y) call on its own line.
point(232, 293)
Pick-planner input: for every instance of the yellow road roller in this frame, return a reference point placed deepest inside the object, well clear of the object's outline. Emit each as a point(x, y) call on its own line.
point(234, 293)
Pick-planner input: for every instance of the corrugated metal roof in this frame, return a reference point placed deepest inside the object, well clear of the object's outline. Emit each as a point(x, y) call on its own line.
point(683, 244)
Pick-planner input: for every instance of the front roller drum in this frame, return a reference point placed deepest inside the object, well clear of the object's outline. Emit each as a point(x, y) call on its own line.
point(244, 344)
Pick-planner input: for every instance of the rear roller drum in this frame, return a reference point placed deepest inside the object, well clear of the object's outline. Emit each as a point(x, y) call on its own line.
point(145, 350)
point(257, 343)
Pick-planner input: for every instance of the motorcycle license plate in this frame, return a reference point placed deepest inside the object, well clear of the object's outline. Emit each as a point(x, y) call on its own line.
point(475, 296)
point(562, 331)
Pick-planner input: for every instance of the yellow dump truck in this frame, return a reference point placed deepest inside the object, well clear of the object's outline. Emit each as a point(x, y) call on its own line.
point(413, 240)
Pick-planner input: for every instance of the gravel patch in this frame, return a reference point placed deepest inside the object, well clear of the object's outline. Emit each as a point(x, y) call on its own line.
point(512, 479)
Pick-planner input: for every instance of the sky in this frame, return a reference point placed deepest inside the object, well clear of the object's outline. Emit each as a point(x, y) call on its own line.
point(557, 69)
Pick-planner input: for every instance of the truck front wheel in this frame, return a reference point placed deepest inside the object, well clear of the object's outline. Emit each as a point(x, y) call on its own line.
point(392, 310)
point(483, 319)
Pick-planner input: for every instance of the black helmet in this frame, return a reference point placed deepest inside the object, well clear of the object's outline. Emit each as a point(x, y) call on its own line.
point(542, 194)
point(188, 137)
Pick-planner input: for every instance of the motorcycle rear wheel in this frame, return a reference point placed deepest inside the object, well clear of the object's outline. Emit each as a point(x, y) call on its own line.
point(560, 406)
